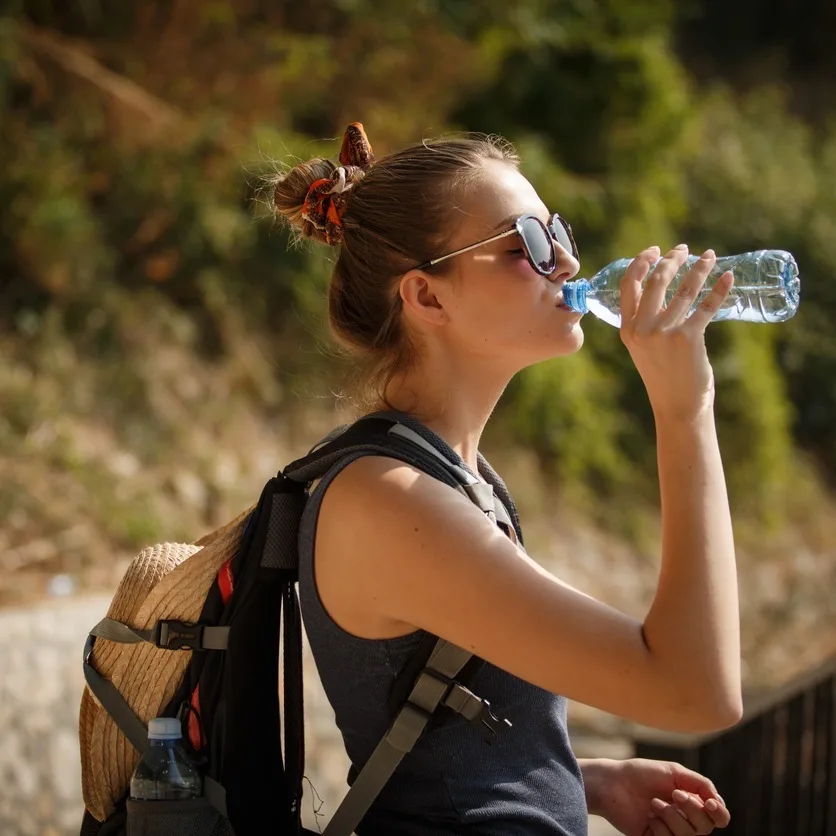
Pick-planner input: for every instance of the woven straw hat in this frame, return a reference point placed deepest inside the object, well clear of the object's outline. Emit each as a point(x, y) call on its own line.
point(168, 580)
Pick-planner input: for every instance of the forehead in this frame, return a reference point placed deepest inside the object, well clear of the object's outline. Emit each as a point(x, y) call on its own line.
point(501, 192)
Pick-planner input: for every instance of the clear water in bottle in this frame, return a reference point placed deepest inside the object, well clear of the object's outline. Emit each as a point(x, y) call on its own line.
point(766, 288)
point(166, 771)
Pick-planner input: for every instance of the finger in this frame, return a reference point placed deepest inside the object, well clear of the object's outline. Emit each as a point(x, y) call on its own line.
point(630, 290)
point(658, 828)
point(712, 303)
point(689, 289)
point(690, 781)
point(676, 821)
point(653, 292)
point(692, 806)
point(718, 811)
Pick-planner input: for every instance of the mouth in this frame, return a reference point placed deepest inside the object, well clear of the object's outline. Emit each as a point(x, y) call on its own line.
point(562, 306)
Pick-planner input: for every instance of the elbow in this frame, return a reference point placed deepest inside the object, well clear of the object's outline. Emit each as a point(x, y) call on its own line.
point(724, 702)
point(716, 713)
point(726, 713)
point(690, 712)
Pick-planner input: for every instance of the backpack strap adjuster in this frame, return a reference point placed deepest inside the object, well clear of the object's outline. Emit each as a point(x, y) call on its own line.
point(172, 634)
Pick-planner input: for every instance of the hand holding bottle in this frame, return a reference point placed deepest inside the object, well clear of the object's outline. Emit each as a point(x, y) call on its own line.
point(667, 345)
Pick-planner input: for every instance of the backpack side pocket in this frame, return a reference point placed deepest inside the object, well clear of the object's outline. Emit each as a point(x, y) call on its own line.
point(189, 817)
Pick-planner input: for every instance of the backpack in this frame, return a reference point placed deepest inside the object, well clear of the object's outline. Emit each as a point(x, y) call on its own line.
point(219, 672)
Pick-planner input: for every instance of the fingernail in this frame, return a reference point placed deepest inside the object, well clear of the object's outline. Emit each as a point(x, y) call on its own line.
point(721, 799)
point(658, 804)
point(712, 805)
point(680, 795)
point(708, 254)
point(681, 247)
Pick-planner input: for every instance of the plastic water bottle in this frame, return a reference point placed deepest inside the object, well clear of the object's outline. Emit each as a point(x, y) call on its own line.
point(766, 288)
point(165, 772)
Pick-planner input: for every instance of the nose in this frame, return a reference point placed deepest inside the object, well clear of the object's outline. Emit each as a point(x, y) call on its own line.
point(566, 267)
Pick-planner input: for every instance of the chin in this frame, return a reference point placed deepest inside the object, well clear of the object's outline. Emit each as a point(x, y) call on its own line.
point(569, 343)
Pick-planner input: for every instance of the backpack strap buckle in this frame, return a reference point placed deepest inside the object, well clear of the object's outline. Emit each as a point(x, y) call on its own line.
point(172, 634)
point(475, 710)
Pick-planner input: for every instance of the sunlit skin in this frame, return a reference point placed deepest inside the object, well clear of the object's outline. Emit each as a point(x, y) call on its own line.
point(476, 325)
point(490, 313)
point(486, 317)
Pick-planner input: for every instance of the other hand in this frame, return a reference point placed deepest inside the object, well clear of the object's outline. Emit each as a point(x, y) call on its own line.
point(641, 797)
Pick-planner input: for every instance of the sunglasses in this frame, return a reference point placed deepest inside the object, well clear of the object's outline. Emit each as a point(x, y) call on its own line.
point(538, 242)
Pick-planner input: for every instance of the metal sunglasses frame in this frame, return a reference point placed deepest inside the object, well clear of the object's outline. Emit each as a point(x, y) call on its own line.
point(516, 229)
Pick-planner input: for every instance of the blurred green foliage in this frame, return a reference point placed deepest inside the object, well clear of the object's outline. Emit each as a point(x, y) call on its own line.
point(133, 137)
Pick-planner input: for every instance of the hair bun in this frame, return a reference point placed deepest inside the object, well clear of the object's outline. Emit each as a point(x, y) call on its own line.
point(291, 189)
point(313, 196)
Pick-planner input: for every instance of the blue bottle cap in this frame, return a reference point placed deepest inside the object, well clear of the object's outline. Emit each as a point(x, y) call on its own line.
point(164, 728)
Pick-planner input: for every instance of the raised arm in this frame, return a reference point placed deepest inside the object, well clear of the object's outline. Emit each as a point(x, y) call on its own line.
point(427, 558)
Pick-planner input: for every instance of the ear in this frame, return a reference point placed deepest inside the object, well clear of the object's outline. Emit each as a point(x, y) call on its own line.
point(423, 297)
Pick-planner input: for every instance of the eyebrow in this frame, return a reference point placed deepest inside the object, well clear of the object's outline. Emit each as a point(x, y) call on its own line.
point(506, 222)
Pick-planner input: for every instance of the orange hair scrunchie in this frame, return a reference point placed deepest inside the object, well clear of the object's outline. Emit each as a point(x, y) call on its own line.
point(327, 197)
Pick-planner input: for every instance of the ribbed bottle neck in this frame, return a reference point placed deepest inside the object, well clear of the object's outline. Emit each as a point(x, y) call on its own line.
point(574, 295)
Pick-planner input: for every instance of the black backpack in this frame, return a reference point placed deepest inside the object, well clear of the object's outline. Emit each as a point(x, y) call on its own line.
point(251, 786)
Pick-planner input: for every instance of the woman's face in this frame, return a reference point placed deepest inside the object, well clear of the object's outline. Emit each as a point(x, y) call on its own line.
point(497, 305)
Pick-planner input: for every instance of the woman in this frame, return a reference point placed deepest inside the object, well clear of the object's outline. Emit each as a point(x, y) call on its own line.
point(443, 310)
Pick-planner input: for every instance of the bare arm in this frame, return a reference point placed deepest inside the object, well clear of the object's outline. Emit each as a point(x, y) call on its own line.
point(694, 620)
point(427, 558)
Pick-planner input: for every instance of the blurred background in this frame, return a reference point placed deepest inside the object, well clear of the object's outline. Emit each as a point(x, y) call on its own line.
point(163, 351)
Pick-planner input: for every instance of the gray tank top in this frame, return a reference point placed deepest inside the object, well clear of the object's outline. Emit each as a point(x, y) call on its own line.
point(527, 783)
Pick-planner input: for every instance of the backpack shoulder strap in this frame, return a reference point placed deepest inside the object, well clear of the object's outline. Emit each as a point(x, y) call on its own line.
point(504, 496)
point(382, 432)
point(504, 508)
point(370, 435)
point(435, 686)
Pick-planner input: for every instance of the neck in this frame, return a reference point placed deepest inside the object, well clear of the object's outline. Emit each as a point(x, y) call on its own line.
point(453, 399)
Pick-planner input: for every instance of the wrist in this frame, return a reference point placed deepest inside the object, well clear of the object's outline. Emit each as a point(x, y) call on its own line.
point(699, 423)
point(686, 418)
point(697, 415)
point(597, 773)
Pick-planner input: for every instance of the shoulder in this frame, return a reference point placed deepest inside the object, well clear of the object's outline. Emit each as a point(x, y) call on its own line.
point(383, 495)
point(388, 532)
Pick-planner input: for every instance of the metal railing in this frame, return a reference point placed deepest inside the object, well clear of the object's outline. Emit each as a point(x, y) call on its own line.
point(776, 769)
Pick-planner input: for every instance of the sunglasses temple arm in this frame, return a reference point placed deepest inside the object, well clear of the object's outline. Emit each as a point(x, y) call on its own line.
point(467, 249)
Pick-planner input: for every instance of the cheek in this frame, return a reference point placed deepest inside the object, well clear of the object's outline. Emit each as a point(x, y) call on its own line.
point(507, 299)
point(520, 267)
point(512, 310)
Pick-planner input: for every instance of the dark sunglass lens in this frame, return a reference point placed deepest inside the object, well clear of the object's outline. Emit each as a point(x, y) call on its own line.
point(560, 230)
point(539, 245)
